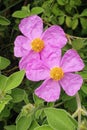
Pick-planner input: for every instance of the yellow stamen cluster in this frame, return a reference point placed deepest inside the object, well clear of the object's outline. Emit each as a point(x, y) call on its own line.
point(56, 73)
point(37, 45)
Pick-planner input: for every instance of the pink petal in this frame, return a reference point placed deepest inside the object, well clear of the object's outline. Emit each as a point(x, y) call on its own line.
point(26, 60)
point(19, 52)
point(36, 70)
point(71, 83)
point(22, 46)
point(51, 56)
point(55, 36)
point(31, 26)
point(49, 90)
point(71, 61)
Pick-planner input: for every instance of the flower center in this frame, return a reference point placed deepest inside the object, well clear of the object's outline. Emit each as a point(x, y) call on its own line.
point(37, 45)
point(56, 73)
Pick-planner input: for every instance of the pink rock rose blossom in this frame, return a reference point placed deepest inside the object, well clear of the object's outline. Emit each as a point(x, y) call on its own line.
point(35, 40)
point(56, 71)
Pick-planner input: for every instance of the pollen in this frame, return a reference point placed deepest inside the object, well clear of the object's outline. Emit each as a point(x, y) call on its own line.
point(37, 45)
point(56, 73)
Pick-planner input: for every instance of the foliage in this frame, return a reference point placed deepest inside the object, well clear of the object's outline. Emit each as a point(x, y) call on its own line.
point(19, 107)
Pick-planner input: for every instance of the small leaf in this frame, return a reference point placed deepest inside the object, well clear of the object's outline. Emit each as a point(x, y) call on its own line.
point(84, 88)
point(71, 105)
point(33, 125)
point(77, 44)
point(20, 14)
point(84, 13)
point(4, 21)
point(10, 127)
point(62, 2)
point(44, 127)
point(4, 62)
point(68, 21)
point(61, 20)
point(37, 100)
point(4, 101)
point(14, 80)
point(37, 10)
point(18, 95)
point(3, 80)
point(77, 2)
point(56, 11)
point(83, 22)
point(26, 8)
point(74, 23)
point(83, 74)
point(38, 114)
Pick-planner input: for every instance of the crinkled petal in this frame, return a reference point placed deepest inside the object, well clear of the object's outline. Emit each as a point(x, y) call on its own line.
point(32, 26)
point(55, 36)
point(71, 83)
point(51, 56)
point(49, 90)
point(26, 60)
point(22, 46)
point(71, 61)
point(37, 71)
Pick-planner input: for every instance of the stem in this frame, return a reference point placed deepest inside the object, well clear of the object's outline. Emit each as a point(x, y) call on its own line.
point(79, 110)
point(57, 105)
point(78, 100)
point(75, 37)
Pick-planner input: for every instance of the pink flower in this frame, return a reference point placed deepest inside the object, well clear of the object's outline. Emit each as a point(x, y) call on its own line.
point(56, 72)
point(35, 40)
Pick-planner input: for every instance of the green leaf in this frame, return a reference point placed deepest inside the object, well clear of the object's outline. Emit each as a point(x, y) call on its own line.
point(84, 88)
point(47, 10)
point(20, 14)
point(4, 62)
point(59, 119)
point(14, 80)
point(37, 10)
point(71, 105)
point(84, 13)
point(56, 11)
point(68, 21)
point(24, 12)
point(24, 123)
point(18, 95)
point(3, 80)
point(26, 8)
point(74, 23)
point(37, 100)
point(83, 22)
point(66, 97)
point(44, 127)
point(4, 101)
point(61, 20)
point(39, 113)
point(33, 125)
point(72, 3)
point(77, 44)
point(10, 127)
point(68, 8)
point(83, 74)
point(62, 2)
point(77, 2)
point(4, 21)
point(6, 112)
